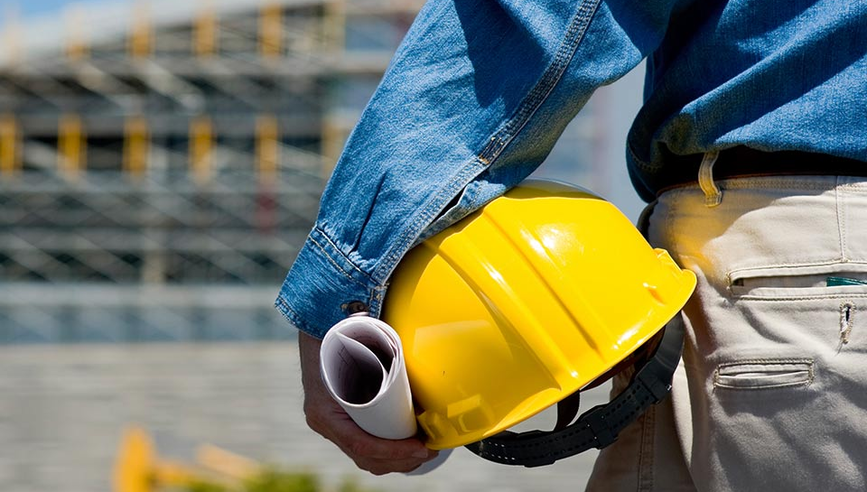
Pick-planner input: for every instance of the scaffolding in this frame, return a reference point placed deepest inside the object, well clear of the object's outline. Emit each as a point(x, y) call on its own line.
point(156, 183)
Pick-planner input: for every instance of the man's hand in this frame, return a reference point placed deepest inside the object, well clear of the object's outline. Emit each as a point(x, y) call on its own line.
point(326, 417)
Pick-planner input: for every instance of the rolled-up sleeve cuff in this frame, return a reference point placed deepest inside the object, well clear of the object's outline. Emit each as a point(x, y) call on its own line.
point(324, 286)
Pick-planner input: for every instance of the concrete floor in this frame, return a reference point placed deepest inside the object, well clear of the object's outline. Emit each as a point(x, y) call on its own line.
point(63, 410)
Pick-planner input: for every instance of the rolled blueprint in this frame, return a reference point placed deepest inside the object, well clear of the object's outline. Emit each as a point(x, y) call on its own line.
point(363, 368)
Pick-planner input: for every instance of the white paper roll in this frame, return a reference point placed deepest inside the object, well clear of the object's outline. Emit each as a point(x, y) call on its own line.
point(363, 368)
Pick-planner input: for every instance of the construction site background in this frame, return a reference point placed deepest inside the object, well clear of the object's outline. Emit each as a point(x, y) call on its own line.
point(160, 165)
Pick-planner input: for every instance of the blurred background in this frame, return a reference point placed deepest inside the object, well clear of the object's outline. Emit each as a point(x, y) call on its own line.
point(161, 162)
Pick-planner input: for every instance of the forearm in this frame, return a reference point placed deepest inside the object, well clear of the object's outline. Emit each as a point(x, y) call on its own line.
point(473, 101)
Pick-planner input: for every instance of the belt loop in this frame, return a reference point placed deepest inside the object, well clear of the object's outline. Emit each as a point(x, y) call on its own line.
point(712, 193)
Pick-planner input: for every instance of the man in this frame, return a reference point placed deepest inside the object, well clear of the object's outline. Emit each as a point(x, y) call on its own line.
point(751, 138)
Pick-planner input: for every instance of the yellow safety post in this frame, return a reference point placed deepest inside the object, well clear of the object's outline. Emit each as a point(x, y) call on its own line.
point(201, 149)
point(140, 469)
point(76, 44)
point(135, 146)
point(334, 25)
point(132, 471)
point(267, 148)
point(333, 133)
point(267, 155)
point(226, 462)
point(71, 146)
point(270, 30)
point(141, 35)
point(205, 34)
point(10, 146)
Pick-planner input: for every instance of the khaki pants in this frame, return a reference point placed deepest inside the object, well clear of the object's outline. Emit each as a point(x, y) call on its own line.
point(771, 393)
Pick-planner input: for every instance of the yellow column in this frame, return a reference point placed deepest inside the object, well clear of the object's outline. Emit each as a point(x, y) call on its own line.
point(333, 135)
point(136, 145)
point(71, 146)
point(205, 34)
point(270, 30)
point(267, 148)
point(201, 149)
point(10, 146)
point(76, 44)
point(334, 26)
point(140, 36)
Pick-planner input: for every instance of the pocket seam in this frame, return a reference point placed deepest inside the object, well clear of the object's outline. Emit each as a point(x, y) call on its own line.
point(802, 297)
point(807, 367)
point(795, 270)
point(798, 268)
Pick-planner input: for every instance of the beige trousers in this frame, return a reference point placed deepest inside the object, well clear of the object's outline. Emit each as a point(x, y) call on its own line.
point(771, 393)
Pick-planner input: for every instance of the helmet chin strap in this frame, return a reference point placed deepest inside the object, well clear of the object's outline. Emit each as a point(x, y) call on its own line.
point(599, 426)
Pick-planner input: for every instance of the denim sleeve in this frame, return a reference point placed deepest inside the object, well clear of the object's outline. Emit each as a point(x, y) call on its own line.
point(472, 102)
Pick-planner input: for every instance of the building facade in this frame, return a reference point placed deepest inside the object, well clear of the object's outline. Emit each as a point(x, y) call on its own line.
point(161, 162)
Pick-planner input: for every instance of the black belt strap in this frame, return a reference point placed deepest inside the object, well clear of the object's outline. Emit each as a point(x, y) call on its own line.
point(599, 426)
point(742, 161)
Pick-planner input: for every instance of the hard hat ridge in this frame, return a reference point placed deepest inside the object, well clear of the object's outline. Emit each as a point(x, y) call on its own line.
point(526, 301)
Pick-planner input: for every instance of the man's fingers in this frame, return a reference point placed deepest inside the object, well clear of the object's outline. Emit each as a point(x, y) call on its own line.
point(383, 467)
point(340, 429)
point(381, 449)
point(326, 417)
point(378, 456)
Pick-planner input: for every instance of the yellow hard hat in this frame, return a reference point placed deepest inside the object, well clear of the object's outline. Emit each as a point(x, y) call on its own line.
point(524, 302)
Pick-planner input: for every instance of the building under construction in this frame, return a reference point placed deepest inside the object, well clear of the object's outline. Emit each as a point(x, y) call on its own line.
point(161, 162)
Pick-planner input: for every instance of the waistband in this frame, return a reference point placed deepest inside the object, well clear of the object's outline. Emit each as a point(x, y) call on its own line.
point(743, 162)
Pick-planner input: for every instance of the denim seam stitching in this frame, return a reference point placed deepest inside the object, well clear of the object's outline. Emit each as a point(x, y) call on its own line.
point(466, 196)
point(375, 300)
point(540, 92)
point(292, 316)
point(640, 163)
point(331, 260)
point(429, 211)
point(495, 145)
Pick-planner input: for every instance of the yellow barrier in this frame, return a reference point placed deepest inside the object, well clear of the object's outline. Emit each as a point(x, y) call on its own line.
point(140, 469)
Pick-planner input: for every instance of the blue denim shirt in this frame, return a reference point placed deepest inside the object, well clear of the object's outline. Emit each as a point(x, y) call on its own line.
point(479, 91)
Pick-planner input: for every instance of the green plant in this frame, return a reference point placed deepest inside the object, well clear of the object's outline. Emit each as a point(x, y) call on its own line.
point(273, 479)
point(202, 486)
